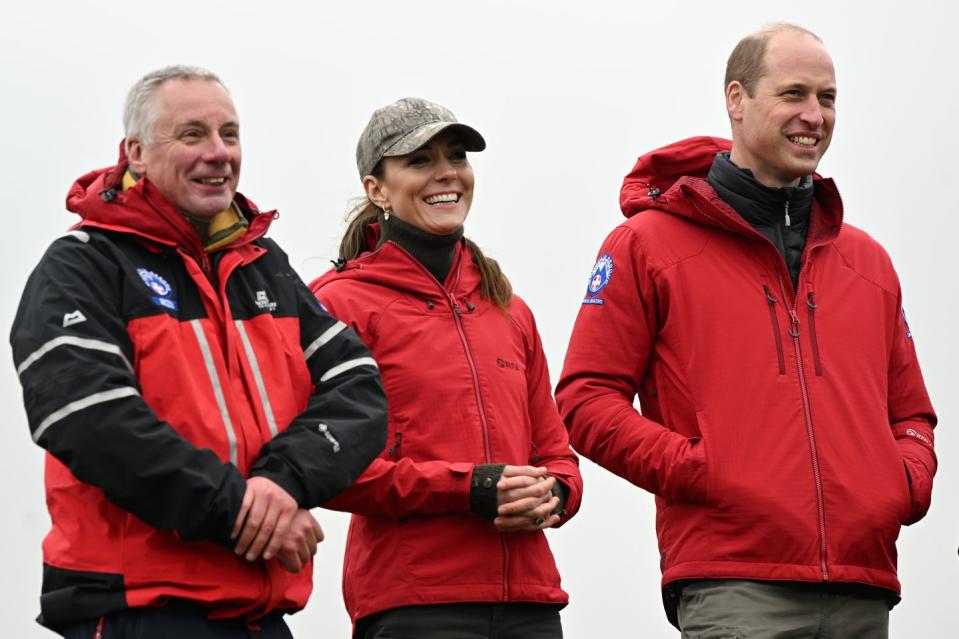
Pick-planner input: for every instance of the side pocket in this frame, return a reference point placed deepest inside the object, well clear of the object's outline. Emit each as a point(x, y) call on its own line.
point(771, 302)
point(707, 444)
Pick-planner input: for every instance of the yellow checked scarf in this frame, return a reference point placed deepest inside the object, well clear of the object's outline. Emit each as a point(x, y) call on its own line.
point(224, 227)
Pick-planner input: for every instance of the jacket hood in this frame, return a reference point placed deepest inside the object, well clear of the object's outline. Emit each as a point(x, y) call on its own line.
point(393, 267)
point(98, 197)
point(657, 171)
point(672, 179)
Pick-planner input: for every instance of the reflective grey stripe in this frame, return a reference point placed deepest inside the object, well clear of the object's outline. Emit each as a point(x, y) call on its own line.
point(327, 335)
point(71, 340)
point(83, 236)
point(260, 386)
point(345, 366)
point(80, 404)
point(217, 389)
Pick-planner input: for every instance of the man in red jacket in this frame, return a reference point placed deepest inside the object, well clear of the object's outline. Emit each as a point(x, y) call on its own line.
point(194, 399)
point(785, 428)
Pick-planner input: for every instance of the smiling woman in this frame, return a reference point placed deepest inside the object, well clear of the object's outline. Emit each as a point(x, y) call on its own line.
point(476, 449)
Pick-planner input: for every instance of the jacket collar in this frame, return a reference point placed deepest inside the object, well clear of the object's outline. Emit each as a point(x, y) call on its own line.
point(100, 200)
point(392, 266)
point(672, 179)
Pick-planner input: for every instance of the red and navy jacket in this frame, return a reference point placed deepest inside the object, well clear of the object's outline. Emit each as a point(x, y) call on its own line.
point(467, 384)
point(786, 433)
point(158, 378)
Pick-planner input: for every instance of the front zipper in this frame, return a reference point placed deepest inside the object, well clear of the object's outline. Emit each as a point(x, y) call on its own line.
point(811, 314)
point(810, 433)
point(771, 303)
point(458, 321)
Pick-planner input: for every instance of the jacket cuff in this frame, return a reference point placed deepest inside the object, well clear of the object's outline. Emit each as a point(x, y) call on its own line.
point(279, 472)
point(484, 498)
point(560, 490)
point(920, 489)
point(693, 468)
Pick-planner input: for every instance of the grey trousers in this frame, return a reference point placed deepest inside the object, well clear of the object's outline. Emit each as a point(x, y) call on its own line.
point(736, 609)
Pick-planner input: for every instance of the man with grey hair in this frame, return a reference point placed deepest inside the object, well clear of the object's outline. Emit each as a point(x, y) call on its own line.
point(194, 399)
point(785, 428)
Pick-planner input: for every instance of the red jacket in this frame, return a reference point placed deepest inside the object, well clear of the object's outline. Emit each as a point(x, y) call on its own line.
point(465, 385)
point(775, 423)
point(158, 377)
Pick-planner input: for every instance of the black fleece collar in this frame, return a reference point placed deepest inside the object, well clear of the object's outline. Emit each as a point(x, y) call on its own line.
point(757, 203)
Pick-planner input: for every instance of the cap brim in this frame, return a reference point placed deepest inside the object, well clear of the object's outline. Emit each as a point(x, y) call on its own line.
point(421, 136)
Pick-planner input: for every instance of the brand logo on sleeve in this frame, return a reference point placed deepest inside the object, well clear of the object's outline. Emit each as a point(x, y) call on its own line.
point(69, 319)
point(599, 277)
point(263, 302)
point(904, 321)
point(914, 433)
point(162, 288)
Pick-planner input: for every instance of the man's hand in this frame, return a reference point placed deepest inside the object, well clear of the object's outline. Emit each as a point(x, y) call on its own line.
point(264, 519)
point(301, 541)
point(525, 500)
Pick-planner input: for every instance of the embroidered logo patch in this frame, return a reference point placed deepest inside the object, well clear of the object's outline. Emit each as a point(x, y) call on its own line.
point(162, 288)
point(263, 301)
point(599, 277)
point(904, 321)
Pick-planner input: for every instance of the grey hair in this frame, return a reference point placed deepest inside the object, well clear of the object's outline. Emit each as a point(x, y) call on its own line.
point(139, 115)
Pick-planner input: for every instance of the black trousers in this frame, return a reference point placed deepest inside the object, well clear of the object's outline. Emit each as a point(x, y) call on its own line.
point(464, 621)
point(176, 621)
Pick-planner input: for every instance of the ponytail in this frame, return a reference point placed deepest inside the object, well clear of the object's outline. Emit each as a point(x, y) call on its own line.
point(360, 216)
point(494, 285)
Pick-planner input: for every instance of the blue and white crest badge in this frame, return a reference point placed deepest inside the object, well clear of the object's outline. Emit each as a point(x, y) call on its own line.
point(162, 288)
point(599, 277)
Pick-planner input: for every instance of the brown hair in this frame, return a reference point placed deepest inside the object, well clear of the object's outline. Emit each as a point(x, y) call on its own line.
point(494, 285)
point(746, 63)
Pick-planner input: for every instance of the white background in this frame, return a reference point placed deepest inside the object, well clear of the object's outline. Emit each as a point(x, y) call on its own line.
point(567, 96)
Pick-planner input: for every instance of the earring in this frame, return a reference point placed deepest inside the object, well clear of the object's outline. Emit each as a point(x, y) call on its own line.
point(386, 214)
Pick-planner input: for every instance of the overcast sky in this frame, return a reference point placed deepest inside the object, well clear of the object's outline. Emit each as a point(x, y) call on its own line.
point(567, 94)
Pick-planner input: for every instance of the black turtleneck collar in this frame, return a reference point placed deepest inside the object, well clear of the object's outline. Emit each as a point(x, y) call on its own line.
point(435, 252)
point(757, 203)
point(781, 214)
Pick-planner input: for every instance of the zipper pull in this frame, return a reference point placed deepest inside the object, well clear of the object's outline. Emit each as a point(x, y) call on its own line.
point(469, 307)
point(396, 445)
point(794, 329)
point(769, 296)
point(788, 221)
point(429, 303)
point(810, 302)
point(456, 306)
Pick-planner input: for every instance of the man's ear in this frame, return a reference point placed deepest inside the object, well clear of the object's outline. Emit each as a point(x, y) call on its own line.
point(135, 153)
point(735, 95)
point(376, 191)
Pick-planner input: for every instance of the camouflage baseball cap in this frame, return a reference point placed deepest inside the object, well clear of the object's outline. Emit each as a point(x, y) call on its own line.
point(403, 127)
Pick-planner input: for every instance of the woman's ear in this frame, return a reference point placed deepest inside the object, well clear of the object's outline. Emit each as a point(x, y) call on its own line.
point(377, 191)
